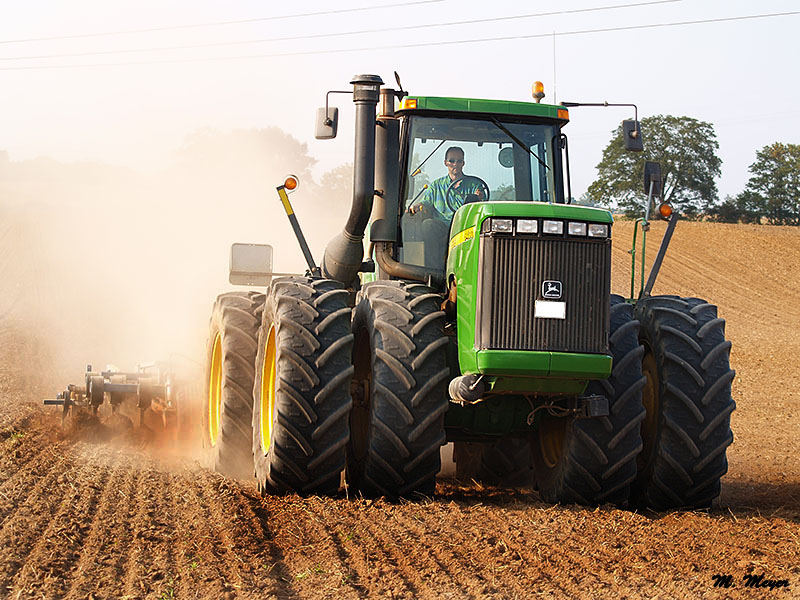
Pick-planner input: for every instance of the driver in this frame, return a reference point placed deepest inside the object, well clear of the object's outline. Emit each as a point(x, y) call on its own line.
point(441, 200)
point(436, 196)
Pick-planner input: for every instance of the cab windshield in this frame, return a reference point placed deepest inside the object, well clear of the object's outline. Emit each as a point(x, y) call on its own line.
point(503, 160)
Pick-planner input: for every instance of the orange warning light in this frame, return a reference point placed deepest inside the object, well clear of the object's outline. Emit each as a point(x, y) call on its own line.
point(538, 91)
point(291, 183)
point(665, 210)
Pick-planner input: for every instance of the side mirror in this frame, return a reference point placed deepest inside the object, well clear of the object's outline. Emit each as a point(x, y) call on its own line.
point(652, 174)
point(327, 124)
point(632, 134)
point(251, 264)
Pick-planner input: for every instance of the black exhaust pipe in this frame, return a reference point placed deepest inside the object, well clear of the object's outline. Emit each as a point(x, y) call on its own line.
point(345, 253)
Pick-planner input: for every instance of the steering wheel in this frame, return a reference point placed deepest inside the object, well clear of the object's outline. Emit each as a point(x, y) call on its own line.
point(450, 194)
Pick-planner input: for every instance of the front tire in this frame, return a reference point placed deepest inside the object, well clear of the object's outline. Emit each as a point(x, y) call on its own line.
point(688, 403)
point(593, 460)
point(228, 404)
point(302, 387)
point(399, 388)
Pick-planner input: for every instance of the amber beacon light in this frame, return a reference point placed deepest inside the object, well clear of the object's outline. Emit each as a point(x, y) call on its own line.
point(538, 91)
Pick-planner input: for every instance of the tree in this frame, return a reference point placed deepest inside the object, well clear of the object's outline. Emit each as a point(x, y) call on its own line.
point(775, 184)
point(744, 208)
point(687, 150)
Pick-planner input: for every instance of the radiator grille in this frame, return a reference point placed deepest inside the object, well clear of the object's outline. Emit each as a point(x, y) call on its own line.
point(511, 275)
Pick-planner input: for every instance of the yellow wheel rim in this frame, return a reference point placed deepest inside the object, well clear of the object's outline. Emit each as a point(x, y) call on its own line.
point(215, 391)
point(268, 386)
point(551, 439)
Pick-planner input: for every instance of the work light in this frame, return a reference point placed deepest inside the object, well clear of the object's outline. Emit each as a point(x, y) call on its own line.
point(502, 225)
point(576, 228)
point(553, 227)
point(598, 230)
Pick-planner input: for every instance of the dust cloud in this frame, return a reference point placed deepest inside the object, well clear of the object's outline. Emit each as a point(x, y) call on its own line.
point(102, 264)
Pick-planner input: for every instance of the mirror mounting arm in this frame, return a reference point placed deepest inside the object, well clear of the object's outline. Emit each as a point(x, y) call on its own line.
point(633, 131)
point(327, 95)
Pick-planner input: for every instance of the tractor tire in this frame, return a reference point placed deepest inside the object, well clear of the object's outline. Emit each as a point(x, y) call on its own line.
point(228, 402)
point(508, 462)
point(593, 460)
point(301, 395)
point(399, 390)
point(688, 403)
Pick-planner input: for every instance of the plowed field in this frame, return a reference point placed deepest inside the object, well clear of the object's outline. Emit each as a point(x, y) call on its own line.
point(84, 518)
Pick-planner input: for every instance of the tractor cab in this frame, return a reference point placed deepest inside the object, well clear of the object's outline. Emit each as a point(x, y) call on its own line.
point(512, 151)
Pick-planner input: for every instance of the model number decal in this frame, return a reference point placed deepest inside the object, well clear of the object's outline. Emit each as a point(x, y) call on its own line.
point(462, 236)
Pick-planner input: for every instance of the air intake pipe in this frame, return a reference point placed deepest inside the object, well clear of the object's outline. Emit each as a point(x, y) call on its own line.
point(345, 252)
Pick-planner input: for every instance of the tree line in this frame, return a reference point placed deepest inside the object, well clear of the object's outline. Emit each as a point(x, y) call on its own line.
point(687, 150)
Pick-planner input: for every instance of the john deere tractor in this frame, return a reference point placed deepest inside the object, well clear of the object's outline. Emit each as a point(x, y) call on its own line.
point(481, 317)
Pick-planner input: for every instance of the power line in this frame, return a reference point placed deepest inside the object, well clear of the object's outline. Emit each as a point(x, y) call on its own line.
point(219, 23)
point(344, 33)
point(416, 44)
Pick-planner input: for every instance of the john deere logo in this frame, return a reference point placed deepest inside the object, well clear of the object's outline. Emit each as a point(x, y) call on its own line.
point(551, 290)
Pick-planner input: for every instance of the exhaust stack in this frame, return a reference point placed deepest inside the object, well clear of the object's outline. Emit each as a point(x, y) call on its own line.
point(345, 252)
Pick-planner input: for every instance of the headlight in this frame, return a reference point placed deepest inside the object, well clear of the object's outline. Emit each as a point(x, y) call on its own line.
point(576, 228)
point(527, 226)
point(553, 227)
point(502, 225)
point(598, 230)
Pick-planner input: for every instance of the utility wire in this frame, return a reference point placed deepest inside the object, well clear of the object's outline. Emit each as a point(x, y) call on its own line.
point(219, 23)
point(417, 44)
point(345, 33)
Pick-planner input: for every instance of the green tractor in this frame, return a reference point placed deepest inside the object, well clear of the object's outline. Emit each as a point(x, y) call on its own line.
point(480, 314)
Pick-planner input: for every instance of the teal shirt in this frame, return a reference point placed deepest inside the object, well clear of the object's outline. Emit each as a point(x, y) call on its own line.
point(436, 194)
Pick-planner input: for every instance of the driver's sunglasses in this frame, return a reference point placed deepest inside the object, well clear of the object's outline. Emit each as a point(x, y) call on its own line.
point(456, 161)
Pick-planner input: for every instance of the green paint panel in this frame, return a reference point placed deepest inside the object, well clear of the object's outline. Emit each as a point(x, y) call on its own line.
point(512, 362)
point(592, 366)
point(475, 105)
point(521, 363)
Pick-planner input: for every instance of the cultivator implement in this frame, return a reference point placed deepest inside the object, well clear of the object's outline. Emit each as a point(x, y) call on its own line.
point(152, 389)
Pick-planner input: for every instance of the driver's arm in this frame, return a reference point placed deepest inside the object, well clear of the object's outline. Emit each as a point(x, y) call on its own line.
point(425, 203)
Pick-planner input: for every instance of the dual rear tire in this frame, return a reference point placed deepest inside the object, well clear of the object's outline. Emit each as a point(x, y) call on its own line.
point(663, 444)
point(228, 404)
point(688, 403)
point(301, 387)
point(399, 388)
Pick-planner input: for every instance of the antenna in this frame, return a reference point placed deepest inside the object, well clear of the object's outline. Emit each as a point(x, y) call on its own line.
point(554, 69)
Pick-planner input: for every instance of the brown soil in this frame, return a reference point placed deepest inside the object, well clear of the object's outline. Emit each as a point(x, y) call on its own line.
point(80, 518)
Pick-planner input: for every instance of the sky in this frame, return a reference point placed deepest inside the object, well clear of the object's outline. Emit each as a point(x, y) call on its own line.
point(126, 83)
point(736, 74)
